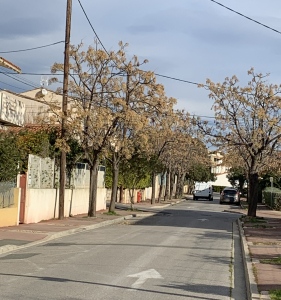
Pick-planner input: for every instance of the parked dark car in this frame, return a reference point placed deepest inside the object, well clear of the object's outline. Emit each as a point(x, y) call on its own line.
point(230, 195)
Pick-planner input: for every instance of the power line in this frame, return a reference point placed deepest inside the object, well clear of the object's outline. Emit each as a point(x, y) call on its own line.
point(12, 85)
point(164, 76)
point(15, 77)
point(50, 74)
point(29, 49)
point(268, 27)
point(21, 81)
point(173, 78)
point(26, 73)
point(92, 26)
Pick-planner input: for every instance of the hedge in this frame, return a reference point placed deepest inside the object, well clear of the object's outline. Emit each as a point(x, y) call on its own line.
point(276, 197)
point(217, 188)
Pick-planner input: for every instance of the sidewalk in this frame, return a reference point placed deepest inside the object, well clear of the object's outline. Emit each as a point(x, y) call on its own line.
point(27, 235)
point(263, 238)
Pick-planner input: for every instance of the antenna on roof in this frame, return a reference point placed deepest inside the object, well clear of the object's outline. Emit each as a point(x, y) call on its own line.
point(44, 82)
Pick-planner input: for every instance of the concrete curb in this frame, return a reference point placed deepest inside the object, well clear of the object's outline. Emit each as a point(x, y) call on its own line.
point(251, 285)
point(233, 212)
point(57, 235)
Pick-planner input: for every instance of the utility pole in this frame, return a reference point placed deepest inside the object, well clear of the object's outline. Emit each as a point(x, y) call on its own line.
point(64, 108)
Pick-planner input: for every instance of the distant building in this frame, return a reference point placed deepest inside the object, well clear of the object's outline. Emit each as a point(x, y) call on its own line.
point(219, 169)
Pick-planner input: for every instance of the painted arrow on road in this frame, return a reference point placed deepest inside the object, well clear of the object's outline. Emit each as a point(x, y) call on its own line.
point(143, 276)
point(203, 220)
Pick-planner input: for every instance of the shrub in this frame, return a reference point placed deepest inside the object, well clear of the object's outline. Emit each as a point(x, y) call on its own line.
point(217, 188)
point(276, 197)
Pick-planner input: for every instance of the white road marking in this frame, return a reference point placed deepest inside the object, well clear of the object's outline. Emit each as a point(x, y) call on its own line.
point(202, 220)
point(143, 276)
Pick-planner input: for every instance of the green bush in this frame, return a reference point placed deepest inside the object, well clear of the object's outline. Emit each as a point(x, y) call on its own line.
point(218, 189)
point(276, 197)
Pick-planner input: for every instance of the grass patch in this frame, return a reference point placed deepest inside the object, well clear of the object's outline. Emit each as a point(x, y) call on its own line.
point(275, 294)
point(254, 220)
point(272, 261)
point(266, 243)
point(261, 226)
point(132, 209)
point(111, 213)
point(255, 271)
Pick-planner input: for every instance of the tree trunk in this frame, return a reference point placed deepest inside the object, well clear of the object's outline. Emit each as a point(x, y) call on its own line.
point(121, 194)
point(167, 188)
point(179, 188)
point(132, 193)
point(172, 180)
point(190, 187)
point(161, 185)
point(115, 168)
point(253, 194)
point(93, 187)
point(153, 188)
point(182, 184)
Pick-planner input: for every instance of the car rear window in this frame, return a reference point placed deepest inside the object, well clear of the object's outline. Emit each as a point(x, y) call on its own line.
point(230, 192)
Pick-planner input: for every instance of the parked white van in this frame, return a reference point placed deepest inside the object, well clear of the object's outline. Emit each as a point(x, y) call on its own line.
point(203, 190)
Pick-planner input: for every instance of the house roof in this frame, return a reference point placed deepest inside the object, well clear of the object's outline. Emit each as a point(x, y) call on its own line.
point(31, 128)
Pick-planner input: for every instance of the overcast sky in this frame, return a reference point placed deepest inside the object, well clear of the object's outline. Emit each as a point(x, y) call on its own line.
point(187, 39)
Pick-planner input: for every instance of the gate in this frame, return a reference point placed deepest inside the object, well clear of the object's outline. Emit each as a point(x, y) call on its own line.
point(22, 197)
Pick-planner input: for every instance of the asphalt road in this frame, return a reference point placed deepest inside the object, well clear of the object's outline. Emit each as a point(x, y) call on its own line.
point(183, 254)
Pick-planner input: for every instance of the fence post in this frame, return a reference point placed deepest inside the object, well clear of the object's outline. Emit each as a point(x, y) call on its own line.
point(271, 181)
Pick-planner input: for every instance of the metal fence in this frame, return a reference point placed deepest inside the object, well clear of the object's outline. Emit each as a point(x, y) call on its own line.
point(40, 172)
point(7, 194)
point(43, 174)
point(81, 176)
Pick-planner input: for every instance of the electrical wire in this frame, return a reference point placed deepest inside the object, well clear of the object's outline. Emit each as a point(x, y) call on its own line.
point(12, 86)
point(173, 78)
point(50, 74)
point(168, 77)
point(92, 26)
point(29, 49)
point(21, 81)
point(268, 27)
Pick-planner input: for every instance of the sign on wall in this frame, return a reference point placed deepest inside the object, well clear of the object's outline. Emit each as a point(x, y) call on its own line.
point(11, 110)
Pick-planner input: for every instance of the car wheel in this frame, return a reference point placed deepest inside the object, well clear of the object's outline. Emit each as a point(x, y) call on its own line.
point(210, 198)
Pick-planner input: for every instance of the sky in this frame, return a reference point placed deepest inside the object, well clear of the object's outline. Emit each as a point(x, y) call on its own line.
point(187, 39)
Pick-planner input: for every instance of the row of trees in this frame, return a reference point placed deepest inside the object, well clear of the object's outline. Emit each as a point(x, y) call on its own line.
point(247, 127)
point(118, 111)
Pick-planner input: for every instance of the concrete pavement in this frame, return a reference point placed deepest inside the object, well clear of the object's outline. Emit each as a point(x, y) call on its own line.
point(185, 253)
point(25, 235)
